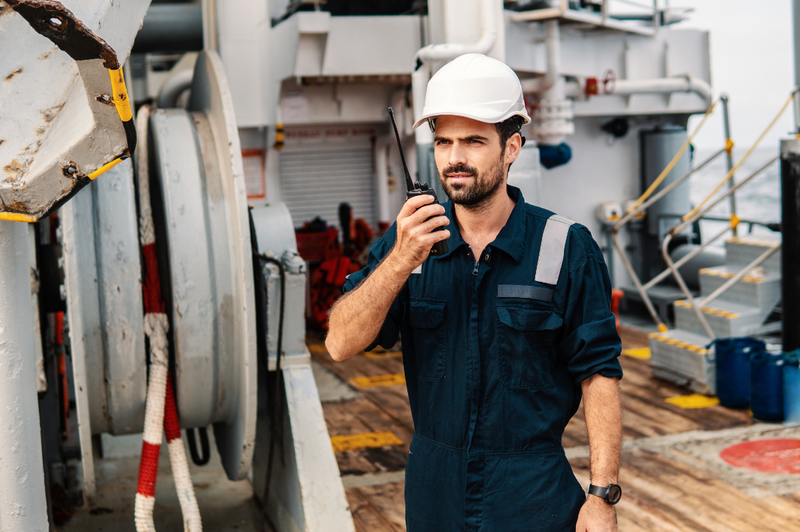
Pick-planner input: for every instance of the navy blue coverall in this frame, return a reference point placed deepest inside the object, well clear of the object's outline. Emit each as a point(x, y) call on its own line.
point(493, 363)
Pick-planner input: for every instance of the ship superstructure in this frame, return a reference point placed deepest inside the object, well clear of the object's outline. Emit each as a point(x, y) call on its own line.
point(253, 119)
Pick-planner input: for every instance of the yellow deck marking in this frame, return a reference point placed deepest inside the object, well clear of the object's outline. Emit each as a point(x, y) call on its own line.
point(379, 380)
point(317, 349)
point(381, 354)
point(366, 440)
point(695, 400)
point(639, 352)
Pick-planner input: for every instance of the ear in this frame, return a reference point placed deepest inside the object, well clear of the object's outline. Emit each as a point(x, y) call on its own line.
point(513, 147)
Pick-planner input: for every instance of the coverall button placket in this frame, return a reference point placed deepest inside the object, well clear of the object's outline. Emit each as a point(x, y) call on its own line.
point(473, 496)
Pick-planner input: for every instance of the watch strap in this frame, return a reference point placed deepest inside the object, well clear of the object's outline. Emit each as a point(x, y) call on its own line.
point(598, 491)
point(606, 494)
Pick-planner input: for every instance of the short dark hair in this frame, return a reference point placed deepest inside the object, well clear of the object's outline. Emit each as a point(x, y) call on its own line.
point(508, 127)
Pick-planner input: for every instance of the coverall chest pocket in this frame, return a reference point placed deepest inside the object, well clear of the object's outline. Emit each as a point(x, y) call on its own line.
point(524, 345)
point(427, 319)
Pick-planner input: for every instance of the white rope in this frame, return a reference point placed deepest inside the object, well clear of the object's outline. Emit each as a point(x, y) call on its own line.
point(155, 327)
point(184, 487)
point(147, 232)
point(143, 513)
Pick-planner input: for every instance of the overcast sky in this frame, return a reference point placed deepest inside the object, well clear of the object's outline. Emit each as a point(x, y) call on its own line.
point(752, 59)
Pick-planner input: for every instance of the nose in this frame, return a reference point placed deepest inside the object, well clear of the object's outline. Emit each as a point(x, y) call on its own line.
point(457, 155)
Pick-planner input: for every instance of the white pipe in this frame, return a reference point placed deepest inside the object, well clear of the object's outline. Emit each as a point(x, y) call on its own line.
point(419, 85)
point(23, 506)
point(552, 40)
point(383, 176)
point(448, 52)
point(173, 87)
point(625, 87)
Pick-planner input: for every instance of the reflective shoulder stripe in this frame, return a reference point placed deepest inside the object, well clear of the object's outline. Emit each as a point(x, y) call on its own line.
point(551, 254)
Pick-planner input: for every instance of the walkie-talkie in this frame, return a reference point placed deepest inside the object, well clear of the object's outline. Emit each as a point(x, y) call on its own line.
point(417, 189)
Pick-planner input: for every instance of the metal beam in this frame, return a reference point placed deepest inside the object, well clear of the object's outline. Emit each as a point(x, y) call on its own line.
point(790, 255)
point(23, 506)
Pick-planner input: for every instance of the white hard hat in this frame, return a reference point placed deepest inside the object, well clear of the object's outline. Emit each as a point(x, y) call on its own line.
point(474, 86)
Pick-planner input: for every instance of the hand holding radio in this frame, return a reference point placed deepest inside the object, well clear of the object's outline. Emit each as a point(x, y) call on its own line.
point(420, 226)
point(418, 189)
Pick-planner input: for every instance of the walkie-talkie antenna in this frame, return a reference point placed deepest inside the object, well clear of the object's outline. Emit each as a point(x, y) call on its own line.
point(409, 182)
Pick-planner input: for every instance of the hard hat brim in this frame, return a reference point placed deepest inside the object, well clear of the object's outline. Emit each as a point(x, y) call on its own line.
point(485, 120)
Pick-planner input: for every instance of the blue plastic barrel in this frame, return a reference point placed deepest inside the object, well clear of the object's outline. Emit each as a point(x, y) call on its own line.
point(791, 387)
point(766, 386)
point(733, 369)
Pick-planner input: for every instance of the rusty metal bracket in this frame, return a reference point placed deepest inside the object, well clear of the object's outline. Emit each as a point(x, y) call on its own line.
point(69, 112)
point(60, 25)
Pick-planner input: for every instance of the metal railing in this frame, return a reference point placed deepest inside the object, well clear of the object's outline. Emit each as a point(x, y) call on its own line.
point(700, 210)
point(644, 202)
point(696, 214)
point(734, 222)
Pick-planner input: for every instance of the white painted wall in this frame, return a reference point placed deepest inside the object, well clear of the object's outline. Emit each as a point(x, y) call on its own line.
point(601, 170)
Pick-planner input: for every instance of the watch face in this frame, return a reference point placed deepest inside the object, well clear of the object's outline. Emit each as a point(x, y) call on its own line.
point(614, 494)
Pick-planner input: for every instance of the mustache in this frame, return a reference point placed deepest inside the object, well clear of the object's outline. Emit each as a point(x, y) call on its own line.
point(460, 169)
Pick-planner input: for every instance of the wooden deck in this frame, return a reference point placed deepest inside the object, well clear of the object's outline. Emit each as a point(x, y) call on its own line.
point(669, 481)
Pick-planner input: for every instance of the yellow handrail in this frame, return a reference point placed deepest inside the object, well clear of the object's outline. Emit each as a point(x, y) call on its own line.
point(742, 160)
point(652, 188)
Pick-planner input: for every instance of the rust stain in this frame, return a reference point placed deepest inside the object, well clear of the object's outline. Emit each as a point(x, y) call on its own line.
point(44, 56)
point(16, 206)
point(2, 141)
point(17, 71)
point(71, 170)
point(14, 167)
point(106, 99)
point(52, 112)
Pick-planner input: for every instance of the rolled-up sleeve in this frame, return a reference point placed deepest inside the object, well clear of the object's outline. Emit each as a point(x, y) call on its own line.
point(590, 344)
point(391, 325)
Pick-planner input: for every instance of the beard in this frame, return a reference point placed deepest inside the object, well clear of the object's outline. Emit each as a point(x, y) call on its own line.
point(474, 193)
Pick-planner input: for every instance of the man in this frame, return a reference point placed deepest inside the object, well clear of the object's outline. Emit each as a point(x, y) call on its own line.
point(502, 335)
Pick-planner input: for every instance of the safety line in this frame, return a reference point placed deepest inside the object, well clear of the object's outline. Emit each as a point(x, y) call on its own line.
point(742, 160)
point(672, 163)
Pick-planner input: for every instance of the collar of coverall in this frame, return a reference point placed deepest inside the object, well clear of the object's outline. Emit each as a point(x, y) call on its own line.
point(511, 238)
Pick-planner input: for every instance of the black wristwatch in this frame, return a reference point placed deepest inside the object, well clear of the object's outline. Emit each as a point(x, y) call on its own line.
point(611, 493)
